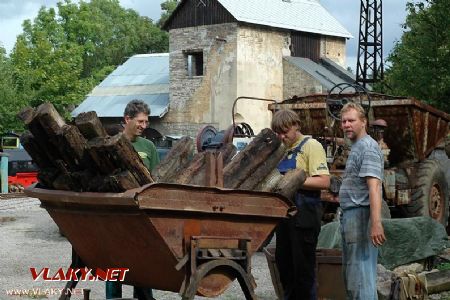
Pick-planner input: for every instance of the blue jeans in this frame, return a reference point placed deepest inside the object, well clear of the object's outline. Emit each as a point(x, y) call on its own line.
point(359, 256)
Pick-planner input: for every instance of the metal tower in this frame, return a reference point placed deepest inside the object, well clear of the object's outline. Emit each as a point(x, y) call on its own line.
point(369, 68)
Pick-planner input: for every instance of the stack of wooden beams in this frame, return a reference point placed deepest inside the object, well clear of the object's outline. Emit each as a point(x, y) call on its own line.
point(81, 156)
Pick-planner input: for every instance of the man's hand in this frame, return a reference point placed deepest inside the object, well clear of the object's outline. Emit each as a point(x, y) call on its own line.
point(377, 234)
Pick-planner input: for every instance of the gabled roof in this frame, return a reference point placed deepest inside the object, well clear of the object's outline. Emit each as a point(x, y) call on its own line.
point(143, 76)
point(299, 15)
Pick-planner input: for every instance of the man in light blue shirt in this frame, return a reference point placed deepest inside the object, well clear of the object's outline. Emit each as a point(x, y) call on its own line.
point(360, 199)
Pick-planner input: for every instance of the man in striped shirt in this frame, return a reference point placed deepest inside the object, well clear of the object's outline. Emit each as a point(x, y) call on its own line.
point(360, 199)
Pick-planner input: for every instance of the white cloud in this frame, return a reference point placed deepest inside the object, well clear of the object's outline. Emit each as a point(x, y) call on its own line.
point(347, 13)
point(13, 13)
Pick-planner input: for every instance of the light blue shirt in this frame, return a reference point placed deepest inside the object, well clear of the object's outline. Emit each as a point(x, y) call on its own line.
point(365, 160)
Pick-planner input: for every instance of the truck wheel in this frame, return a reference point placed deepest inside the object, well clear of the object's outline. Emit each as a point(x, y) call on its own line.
point(447, 146)
point(430, 195)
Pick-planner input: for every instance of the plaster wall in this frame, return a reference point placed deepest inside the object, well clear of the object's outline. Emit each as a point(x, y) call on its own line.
point(334, 49)
point(260, 54)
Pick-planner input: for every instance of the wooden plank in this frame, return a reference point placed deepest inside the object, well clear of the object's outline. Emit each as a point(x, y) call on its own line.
point(264, 169)
point(247, 161)
point(291, 182)
point(176, 159)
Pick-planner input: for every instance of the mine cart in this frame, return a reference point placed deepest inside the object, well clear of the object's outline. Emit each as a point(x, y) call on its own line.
point(413, 136)
point(180, 238)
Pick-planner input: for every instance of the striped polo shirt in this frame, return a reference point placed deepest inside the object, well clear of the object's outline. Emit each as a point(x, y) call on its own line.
point(365, 160)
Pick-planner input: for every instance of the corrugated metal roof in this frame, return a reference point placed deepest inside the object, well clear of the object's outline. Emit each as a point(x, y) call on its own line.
point(326, 77)
point(113, 106)
point(299, 15)
point(140, 69)
point(143, 76)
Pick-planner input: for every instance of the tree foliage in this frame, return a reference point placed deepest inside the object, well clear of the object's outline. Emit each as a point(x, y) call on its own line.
point(65, 52)
point(167, 8)
point(420, 61)
point(8, 96)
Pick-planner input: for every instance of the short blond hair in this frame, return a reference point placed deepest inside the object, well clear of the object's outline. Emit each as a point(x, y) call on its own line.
point(359, 109)
point(284, 119)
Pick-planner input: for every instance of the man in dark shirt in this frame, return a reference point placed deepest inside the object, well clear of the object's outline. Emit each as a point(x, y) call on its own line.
point(136, 121)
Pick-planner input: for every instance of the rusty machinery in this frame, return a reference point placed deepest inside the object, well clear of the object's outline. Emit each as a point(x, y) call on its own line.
point(410, 133)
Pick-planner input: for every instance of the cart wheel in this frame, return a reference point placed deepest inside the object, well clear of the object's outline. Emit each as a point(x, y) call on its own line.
point(204, 136)
point(341, 94)
point(430, 195)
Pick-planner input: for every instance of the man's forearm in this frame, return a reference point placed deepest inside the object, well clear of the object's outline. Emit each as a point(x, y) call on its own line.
point(375, 199)
point(320, 182)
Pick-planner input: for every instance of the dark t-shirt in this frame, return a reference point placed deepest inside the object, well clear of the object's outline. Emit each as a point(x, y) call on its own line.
point(147, 151)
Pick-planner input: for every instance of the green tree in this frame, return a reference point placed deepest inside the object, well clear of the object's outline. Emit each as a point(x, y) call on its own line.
point(9, 99)
point(63, 54)
point(420, 61)
point(109, 33)
point(47, 66)
point(167, 8)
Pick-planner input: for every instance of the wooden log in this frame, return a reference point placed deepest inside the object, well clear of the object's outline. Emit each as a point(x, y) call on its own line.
point(65, 182)
point(291, 182)
point(194, 173)
point(90, 125)
point(39, 157)
point(228, 152)
point(45, 143)
point(247, 161)
point(115, 183)
point(438, 281)
point(49, 119)
point(126, 180)
point(214, 169)
point(83, 179)
point(100, 155)
point(72, 147)
point(118, 154)
point(176, 159)
point(26, 114)
point(104, 184)
point(264, 169)
point(47, 176)
point(271, 181)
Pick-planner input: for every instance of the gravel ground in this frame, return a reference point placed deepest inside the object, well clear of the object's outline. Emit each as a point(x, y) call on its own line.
point(30, 238)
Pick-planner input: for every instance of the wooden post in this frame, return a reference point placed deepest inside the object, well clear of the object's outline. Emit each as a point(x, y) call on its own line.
point(113, 153)
point(90, 125)
point(291, 182)
point(247, 161)
point(264, 169)
point(176, 160)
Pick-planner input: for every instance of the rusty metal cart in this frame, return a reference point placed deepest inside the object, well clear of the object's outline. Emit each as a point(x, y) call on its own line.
point(180, 238)
point(411, 134)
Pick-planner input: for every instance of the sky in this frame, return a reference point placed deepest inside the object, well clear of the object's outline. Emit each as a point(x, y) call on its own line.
point(14, 12)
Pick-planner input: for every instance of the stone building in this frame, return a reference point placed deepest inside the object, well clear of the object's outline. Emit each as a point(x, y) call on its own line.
point(224, 49)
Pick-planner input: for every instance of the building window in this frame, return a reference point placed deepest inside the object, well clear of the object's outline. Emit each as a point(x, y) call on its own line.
point(194, 63)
